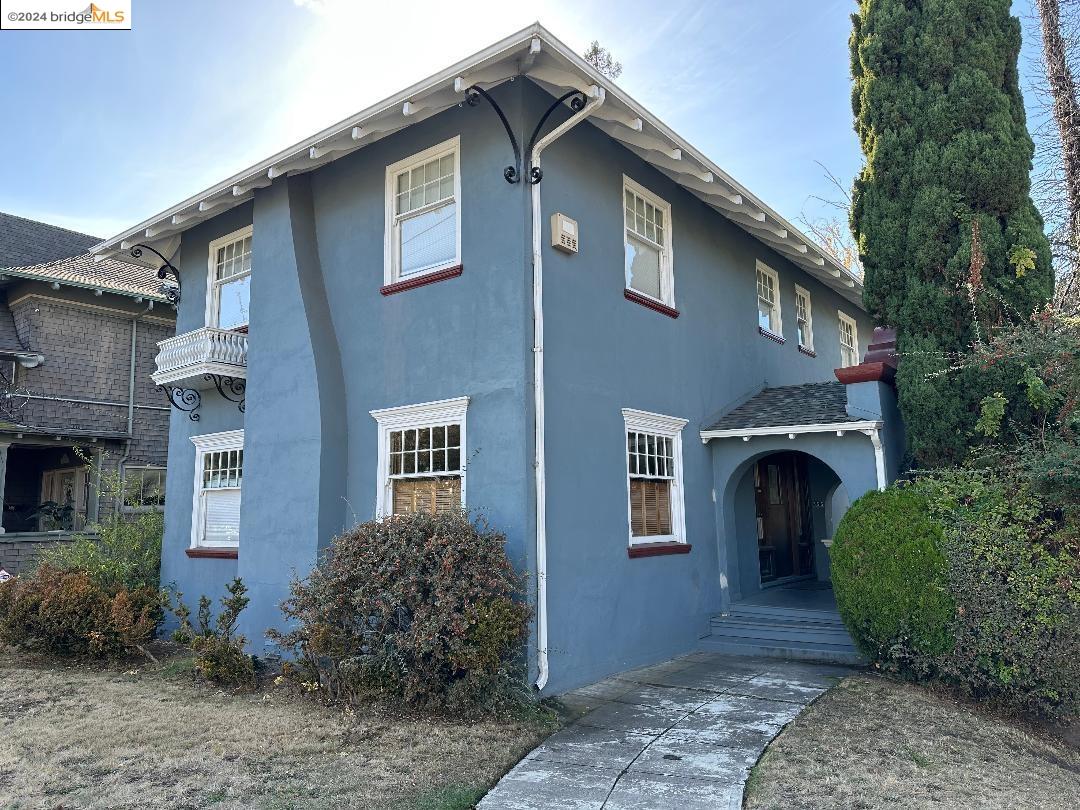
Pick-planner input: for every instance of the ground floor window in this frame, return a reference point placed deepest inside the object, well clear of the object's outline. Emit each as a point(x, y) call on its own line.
point(421, 457)
point(219, 478)
point(144, 488)
point(654, 477)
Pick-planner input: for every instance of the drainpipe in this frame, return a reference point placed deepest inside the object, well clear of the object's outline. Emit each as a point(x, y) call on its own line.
point(879, 457)
point(122, 464)
point(597, 98)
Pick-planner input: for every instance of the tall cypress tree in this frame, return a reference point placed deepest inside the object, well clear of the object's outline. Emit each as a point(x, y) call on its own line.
point(939, 114)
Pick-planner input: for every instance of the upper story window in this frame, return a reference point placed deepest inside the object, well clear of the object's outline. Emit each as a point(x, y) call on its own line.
point(654, 476)
point(229, 289)
point(422, 457)
point(647, 221)
point(219, 477)
point(768, 299)
point(423, 213)
point(849, 341)
point(804, 318)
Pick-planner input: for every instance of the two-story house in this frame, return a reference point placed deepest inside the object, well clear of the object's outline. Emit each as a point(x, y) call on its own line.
point(511, 287)
point(78, 339)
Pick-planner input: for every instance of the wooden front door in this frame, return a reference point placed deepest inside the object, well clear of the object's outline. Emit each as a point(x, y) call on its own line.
point(785, 544)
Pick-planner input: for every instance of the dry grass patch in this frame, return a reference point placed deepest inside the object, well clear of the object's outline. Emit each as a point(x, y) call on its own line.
point(78, 737)
point(872, 743)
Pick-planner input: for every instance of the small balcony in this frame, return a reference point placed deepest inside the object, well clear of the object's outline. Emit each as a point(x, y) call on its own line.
point(197, 358)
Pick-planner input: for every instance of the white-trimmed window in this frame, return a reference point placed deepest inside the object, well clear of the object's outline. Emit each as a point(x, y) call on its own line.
point(421, 457)
point(144, 488)
point(768, 299)
point(219, 477)
point(228, 289)
point(423, 213)
point(804, 318)
point(647, 237)
point(654, 477)
point(849, 340)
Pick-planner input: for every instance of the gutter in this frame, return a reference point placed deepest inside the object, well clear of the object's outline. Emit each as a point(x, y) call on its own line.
point(597, 98)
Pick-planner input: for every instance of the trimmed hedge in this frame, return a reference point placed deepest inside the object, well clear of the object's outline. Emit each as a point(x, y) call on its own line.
point(421, 608)
point(889, 576)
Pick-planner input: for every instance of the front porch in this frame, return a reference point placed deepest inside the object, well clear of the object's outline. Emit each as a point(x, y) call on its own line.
point(797, 621)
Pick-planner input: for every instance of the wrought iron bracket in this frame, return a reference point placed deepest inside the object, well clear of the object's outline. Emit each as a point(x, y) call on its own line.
point(183, 399)
point(170, 291)
point(577, 103)
point(234, 389)
point(473, 94)
point(512, 174)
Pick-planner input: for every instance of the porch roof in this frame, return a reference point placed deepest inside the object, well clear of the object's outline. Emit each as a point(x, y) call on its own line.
point(788, 406)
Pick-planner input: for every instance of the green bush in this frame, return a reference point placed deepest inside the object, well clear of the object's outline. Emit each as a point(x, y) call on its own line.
point(218, 648)
point(889, 575)
point(1015, 577)
point(69, 613)
point(420, 608)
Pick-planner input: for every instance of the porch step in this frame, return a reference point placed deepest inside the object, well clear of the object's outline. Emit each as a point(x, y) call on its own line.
point(782, 632)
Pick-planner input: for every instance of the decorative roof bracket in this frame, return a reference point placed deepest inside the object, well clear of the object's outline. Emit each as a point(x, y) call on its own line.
point(170, 291)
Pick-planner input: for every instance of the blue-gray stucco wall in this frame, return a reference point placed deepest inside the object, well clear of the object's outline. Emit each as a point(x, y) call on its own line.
point(603, 353)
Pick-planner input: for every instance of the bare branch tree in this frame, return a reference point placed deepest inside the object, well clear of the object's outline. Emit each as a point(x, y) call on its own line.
point(601, 59)
point(834, 232)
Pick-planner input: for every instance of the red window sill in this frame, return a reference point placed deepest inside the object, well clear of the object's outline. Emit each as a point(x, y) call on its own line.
point(657, 549)
point(649, 303)
point(420, 281)
point(212, 553)
point(771, 335)
point(806, 351)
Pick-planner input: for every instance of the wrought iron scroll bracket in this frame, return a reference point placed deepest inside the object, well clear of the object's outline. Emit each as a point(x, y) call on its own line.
point(187, 400)
point(234, 389)
point(170, 291)
point(473, 94)
point(577, 104)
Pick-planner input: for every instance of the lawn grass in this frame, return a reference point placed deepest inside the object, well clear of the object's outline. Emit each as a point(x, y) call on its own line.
point(153, 737)
point(873, 743)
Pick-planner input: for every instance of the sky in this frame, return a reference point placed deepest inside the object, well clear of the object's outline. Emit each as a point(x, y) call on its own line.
point(103, 129)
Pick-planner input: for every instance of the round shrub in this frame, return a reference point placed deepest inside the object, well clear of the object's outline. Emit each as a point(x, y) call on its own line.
point(418, 607)
point(66, 612)
point(890, 579)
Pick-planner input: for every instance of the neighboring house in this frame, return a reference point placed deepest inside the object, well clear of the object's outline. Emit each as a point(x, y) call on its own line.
point(627, 367)
point(78, 338)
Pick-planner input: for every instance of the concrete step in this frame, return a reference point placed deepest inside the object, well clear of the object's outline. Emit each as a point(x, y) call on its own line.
point(784, 613)
point(805, 651)
point(793, 620)
point(791, 633)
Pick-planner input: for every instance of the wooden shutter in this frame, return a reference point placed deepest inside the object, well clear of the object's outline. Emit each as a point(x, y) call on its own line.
point(435, 494)
point(650, 507)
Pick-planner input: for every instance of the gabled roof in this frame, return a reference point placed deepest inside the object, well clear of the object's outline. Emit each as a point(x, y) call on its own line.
point(822, 403)
point(107, 275)
point(532, 52)
point(26, 241)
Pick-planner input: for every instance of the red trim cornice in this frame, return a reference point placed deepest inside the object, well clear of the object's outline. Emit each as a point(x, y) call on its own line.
point(420, 281)
point(657, 549)
point(866, 372)
point(649, 303)
point(212, 553)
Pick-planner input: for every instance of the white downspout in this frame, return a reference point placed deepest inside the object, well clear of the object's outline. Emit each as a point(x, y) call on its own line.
point(597, 98)
point(879, 458)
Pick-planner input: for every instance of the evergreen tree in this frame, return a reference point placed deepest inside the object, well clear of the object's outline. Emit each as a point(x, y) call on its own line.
point(939, 114)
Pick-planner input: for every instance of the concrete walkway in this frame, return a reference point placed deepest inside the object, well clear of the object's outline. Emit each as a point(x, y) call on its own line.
point(682, 734)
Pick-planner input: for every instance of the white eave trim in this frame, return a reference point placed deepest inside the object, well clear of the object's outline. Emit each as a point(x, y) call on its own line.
point(534, 52)
point(839, 428)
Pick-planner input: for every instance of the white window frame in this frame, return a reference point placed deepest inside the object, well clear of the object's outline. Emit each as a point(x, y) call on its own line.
point(761, 267)
point(667, 250)
point(424, 414)
point(212, 287)
point(210, 443)
point(805, 294)
point(125, 507)
point(843, 318)
point(391, 259)
point(668, 427)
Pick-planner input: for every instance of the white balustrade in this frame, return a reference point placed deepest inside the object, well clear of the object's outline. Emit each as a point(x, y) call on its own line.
point(204, 351)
